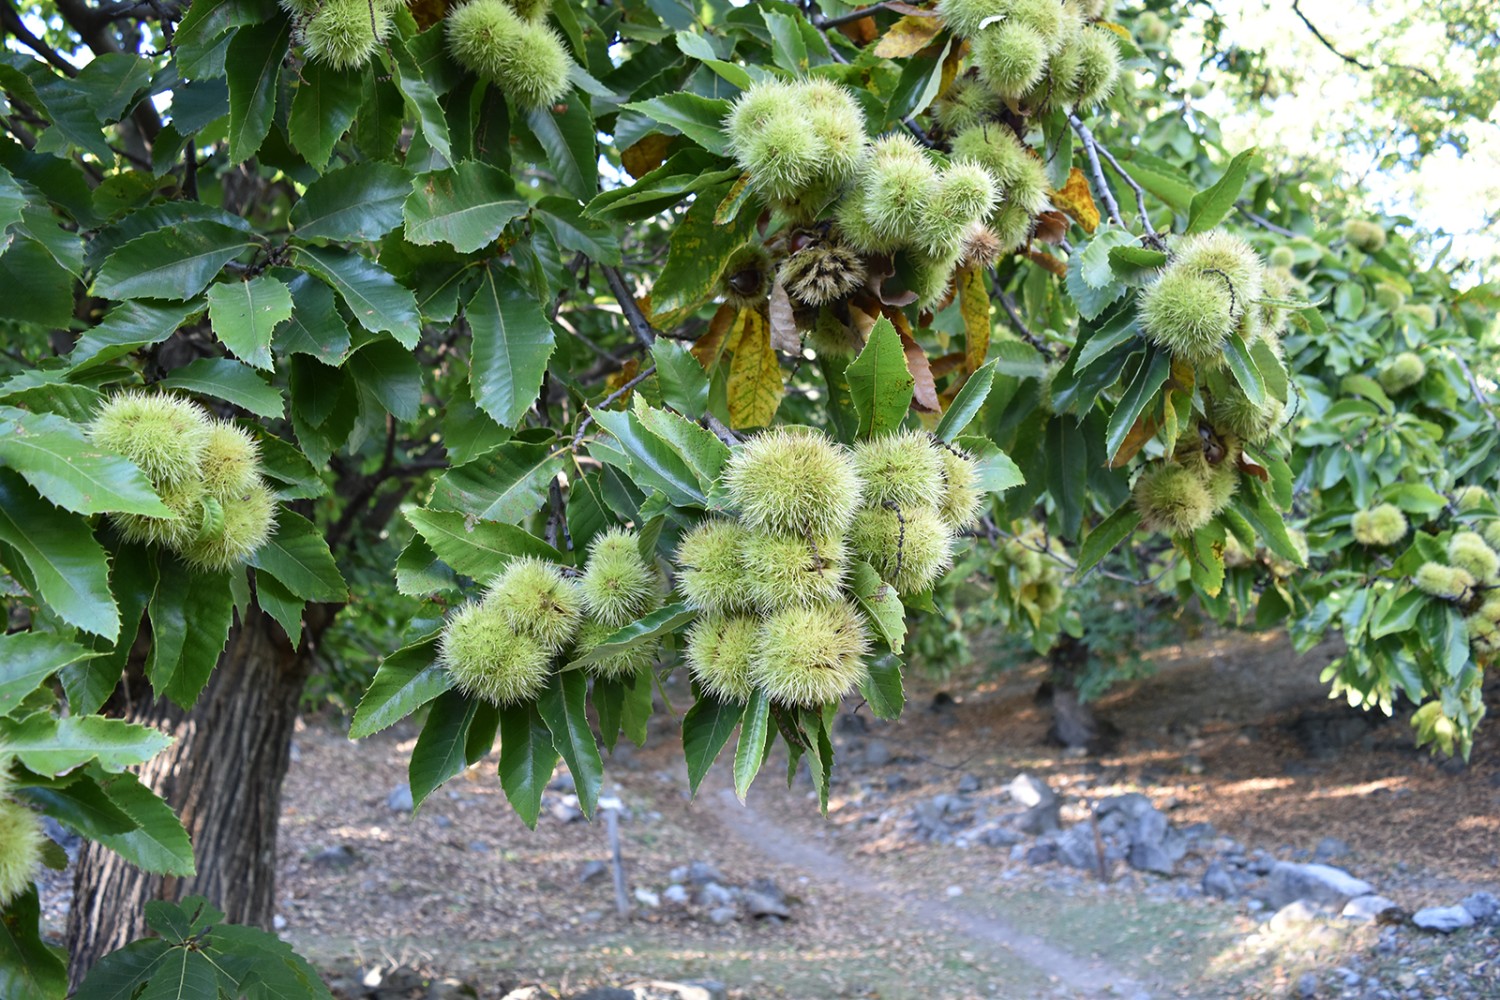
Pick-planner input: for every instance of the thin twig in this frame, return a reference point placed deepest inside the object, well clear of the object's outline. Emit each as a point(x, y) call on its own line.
point(639, 324)
point(826, 23)
point(588, 418)
point(1022, 330)
point(1267, 224)
point(1090, 146)
point(1351, 60)
point(1140, 193)
point(721, 432)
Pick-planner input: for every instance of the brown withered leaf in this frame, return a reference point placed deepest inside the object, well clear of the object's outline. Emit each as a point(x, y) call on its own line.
point(947, 364)
point(1146, 426)
point(1077, 200)
point(908, 36)
point(646, 155)
point(1048, 261)
point(924, 397)
point(710, 346)
point(1051, 227)
point(428, 12)
point(784, 335)
point(1259, 472)
point(861, 32)
point(951, 62)
point(612, 382)
point(864, 313)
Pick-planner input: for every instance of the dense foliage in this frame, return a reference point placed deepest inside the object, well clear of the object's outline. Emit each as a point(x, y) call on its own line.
point(721, 328)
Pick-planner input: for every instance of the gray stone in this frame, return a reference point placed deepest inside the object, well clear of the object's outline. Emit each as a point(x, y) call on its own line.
point(1041, 854)
point(451, 989)
point(1443, 919)
point(562, 783)
point(1076, 847)
point(722, 914)
point(702, 873)
point(1321, 884)
point(604, 993)
point(1044, 817)
point(715, 989)
point(1154, 845)
point(1294, 915)
point(647, 898)
point(338, 856)
point(712, 894)
point(479, 847)
point(399, 799)
point(968, 784)
point(1030, 791)
point(1330, 849)
point(565, 810)
point(1151, 858)
point(760, 904)
point(999, 836)
point(1307, 985)
point(1217, 882)
point(1366, 909)
point(1483, 907)
point(877, 754)
point(1133, 805)
point(675, 894)
point(591, 870)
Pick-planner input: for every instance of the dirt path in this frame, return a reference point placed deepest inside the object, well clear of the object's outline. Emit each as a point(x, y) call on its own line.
point(786, 847)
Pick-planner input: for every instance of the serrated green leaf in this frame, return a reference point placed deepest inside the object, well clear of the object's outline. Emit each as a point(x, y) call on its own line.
point(69, 566)
point(512, 343)
point(379, 303)
point(53, 455)
point(705, 729)
point(244, 314)
point(699, 118)
point(966, 404)
point(563, 707)
point(359, 202)
point(252, 66)
point(228, 380)
point(750, 752)
point(466, 206)
point(298, 556)
point(1209, 207)
point(28, 658)
point(478, 549)
point(50, 745)
point(647, 629)
point(175, 263)
point(527, 758)
point(880, 383)
point(407, 679)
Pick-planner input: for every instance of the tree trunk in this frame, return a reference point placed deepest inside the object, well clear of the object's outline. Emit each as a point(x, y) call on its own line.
point(223, 775)
point(1073, 722)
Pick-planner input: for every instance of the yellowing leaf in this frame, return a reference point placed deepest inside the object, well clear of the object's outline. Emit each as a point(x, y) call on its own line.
point(974, 305)
point(1116, 28)
point(1077, 200)
point(755, 382)
point(951, 62)
point(908, 36)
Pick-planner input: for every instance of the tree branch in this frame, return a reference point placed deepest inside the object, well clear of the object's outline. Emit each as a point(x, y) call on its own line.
point(1095, 147)
point(639, 324)
point(1351, 60)
point(1266, 224)
point(1091, 148)
point(11, 21)
point(588, 418)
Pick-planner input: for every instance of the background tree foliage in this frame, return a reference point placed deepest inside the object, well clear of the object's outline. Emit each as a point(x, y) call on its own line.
point(465, 328)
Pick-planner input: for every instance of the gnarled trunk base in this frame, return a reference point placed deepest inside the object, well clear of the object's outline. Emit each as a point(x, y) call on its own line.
point(223, 775)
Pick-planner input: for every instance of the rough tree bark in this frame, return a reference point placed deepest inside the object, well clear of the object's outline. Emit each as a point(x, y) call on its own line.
point(1073, 722)
point(223, 775)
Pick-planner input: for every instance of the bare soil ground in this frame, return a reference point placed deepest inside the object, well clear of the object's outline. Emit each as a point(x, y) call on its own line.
point(1235, 732)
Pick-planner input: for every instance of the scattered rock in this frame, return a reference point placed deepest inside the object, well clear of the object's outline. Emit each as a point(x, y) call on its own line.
point(877, 754)
point(591, 870)
point(1154, 845)
point(647, 898)
point(712, 894)
point(1367, 909)
point(1443, 919)
point(1294, 915)
point(1000, 836)
point(399, 799)
point(968, 784)
point(722, 914)
point(1217, 882)
point(702, 873)
point(1330, 849)
point(1076, 847)
point(1030, 791)
point(1483, 907)
point(532, 993)
point(942, 702)
point(565, 809)
point(1322, 884)
point(761, 898)
point(1041, 854)
point(563, 782)
point(1042, 805)
point(675, 894)
point(604, 993)
point(1307, 985)
point(339, 856)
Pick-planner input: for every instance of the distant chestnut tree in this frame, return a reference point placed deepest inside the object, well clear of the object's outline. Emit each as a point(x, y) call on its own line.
point(656, 332)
